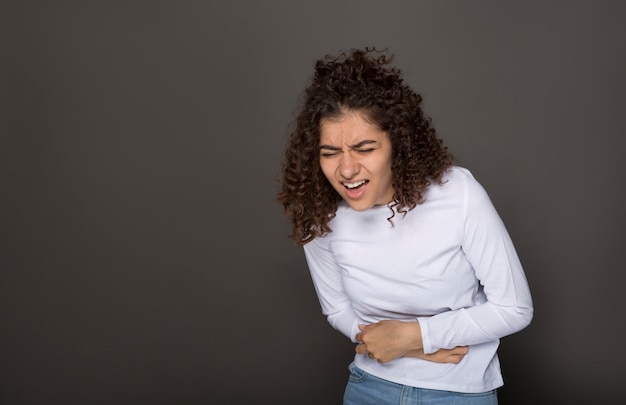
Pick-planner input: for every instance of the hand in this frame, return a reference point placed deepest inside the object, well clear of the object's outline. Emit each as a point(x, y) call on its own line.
point(388, 340)
point(454, 355)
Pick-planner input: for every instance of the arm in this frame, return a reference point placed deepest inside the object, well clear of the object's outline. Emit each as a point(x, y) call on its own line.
point(326, 276)
point(508, 307)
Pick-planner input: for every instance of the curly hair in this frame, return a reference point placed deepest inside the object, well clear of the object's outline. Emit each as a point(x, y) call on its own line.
point(363, 81)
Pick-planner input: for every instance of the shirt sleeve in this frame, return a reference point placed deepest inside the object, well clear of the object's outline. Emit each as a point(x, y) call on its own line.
point(326, 276)
point(489, 248)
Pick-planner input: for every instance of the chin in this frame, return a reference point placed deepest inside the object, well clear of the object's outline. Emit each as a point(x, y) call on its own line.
point(357, 206)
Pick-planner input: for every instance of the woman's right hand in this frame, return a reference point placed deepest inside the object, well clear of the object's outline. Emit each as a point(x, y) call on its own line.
point(454, 355)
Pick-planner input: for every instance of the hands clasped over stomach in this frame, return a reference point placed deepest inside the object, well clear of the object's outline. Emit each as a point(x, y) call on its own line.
point(388, 340)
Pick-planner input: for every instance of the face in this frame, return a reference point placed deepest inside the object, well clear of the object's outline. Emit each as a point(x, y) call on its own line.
point(355, 157)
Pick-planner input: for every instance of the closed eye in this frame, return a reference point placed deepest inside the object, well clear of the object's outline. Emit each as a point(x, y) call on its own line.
point(365, 146)
point(329, 151)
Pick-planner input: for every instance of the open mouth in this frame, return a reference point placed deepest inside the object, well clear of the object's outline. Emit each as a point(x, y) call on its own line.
point(355, 185)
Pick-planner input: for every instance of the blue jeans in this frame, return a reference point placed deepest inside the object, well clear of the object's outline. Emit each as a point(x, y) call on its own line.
point(366, 389)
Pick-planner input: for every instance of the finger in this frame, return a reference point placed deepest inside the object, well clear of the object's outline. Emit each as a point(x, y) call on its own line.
point(456, 358)
point(360, 349)
point(359, 337)
point(362, 326)
point(459, 350)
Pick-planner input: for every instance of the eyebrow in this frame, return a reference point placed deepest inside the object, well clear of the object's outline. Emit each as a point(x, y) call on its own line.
point(355, 146)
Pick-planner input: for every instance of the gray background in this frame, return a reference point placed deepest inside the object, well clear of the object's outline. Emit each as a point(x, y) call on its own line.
point(144, 261)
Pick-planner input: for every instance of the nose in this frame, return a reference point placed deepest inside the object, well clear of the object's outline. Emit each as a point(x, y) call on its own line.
point(348, 166)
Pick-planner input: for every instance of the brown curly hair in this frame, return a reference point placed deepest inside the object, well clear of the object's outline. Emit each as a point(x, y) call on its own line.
point(363, 81)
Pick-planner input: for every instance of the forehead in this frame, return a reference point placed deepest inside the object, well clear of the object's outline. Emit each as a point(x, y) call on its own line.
point(351, 126)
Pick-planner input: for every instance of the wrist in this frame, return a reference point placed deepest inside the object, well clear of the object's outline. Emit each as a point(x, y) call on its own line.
point(414, 334)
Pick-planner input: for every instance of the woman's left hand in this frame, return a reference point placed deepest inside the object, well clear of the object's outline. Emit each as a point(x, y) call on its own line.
point(454, 355)
point(389, 339)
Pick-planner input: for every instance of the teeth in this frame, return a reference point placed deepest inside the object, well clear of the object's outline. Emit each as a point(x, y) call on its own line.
point(354, 185)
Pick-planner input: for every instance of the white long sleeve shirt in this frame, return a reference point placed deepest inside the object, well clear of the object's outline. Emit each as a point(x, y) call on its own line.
point(448, 264)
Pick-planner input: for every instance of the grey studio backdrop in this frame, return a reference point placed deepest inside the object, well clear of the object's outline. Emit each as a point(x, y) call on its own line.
point(144, 260)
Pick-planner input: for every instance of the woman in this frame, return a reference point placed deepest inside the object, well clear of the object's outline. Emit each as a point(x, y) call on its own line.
point(408, 256)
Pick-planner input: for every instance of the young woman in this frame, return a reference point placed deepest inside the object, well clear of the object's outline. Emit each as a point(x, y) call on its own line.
point(408, 256)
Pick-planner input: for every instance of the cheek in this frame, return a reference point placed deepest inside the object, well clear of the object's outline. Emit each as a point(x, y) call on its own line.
point(385, 170)
point(381, 166)
point(326, 169)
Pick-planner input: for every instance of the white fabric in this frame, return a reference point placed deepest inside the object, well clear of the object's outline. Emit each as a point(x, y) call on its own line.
point(449, 264)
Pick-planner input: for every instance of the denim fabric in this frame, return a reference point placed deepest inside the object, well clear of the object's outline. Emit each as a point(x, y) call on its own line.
point(366, 389)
